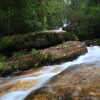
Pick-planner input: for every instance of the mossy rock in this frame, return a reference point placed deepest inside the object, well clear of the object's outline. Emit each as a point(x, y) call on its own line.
point(60, 53)
point(24, 62)
point(37, 40)
point(92, 42)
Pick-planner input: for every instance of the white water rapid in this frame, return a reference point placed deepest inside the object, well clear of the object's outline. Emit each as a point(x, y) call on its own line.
point(65, 24)
point(18, 87)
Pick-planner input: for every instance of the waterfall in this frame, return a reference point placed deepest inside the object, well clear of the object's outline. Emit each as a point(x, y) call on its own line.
point(65, 24)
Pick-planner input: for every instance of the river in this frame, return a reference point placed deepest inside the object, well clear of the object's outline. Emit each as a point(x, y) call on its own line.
point(18, 87)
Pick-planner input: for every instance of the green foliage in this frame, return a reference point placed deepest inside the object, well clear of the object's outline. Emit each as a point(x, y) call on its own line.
point(89, 27)
point(2, 57)
point(5, 69)
point(10, 41)
point(15, 66)
point(34, 51)
point(41, 59)
point(19, 53)
point(84, 18)
point(2, 68)
point(29, 15)
point(15, 16)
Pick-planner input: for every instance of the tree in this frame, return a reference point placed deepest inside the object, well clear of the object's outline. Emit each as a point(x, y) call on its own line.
point(84, 18)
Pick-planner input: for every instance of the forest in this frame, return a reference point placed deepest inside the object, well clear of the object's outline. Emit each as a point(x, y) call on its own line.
point(27, 26)
point(20, 17)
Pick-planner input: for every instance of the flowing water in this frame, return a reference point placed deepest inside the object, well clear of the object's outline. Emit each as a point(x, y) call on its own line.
point(18, 87)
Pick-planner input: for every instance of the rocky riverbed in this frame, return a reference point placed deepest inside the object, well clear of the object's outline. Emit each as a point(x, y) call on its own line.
point(74, 80)
point(78, 82)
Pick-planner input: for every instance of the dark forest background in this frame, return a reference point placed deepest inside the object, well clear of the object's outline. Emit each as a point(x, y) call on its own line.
point(22, 16)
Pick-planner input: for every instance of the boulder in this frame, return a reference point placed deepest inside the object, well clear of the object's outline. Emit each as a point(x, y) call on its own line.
point(60, 53)
point(38, 40)
point(92, 42)
point(78, 82)
point(65, 51)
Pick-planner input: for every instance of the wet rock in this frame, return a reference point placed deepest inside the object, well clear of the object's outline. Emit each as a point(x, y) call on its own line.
point(92, 42)
point(78, 82)
point(63, 52)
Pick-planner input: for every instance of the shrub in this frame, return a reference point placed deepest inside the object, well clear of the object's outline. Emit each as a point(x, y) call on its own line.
point(19, 53)
point(2, 57)
point(2, 68)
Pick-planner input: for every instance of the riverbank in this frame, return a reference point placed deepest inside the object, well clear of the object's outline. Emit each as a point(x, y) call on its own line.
point(43, 48)
point(24, 51)
point(60, 53)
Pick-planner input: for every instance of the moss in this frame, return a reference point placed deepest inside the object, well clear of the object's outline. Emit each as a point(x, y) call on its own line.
point(33, 50)
point(24, 62)
point(10, 44)
point(9, 41)
point(39, 59)
point(15, 66)
point(19, 53)
point(2, 57)
point(34, 40)
point(92, 42)
point(3, 69)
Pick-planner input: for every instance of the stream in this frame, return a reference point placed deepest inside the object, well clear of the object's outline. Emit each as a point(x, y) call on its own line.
point(18, 87)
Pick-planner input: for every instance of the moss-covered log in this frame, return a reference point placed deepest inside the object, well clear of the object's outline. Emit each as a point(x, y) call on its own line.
point(10, 44)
